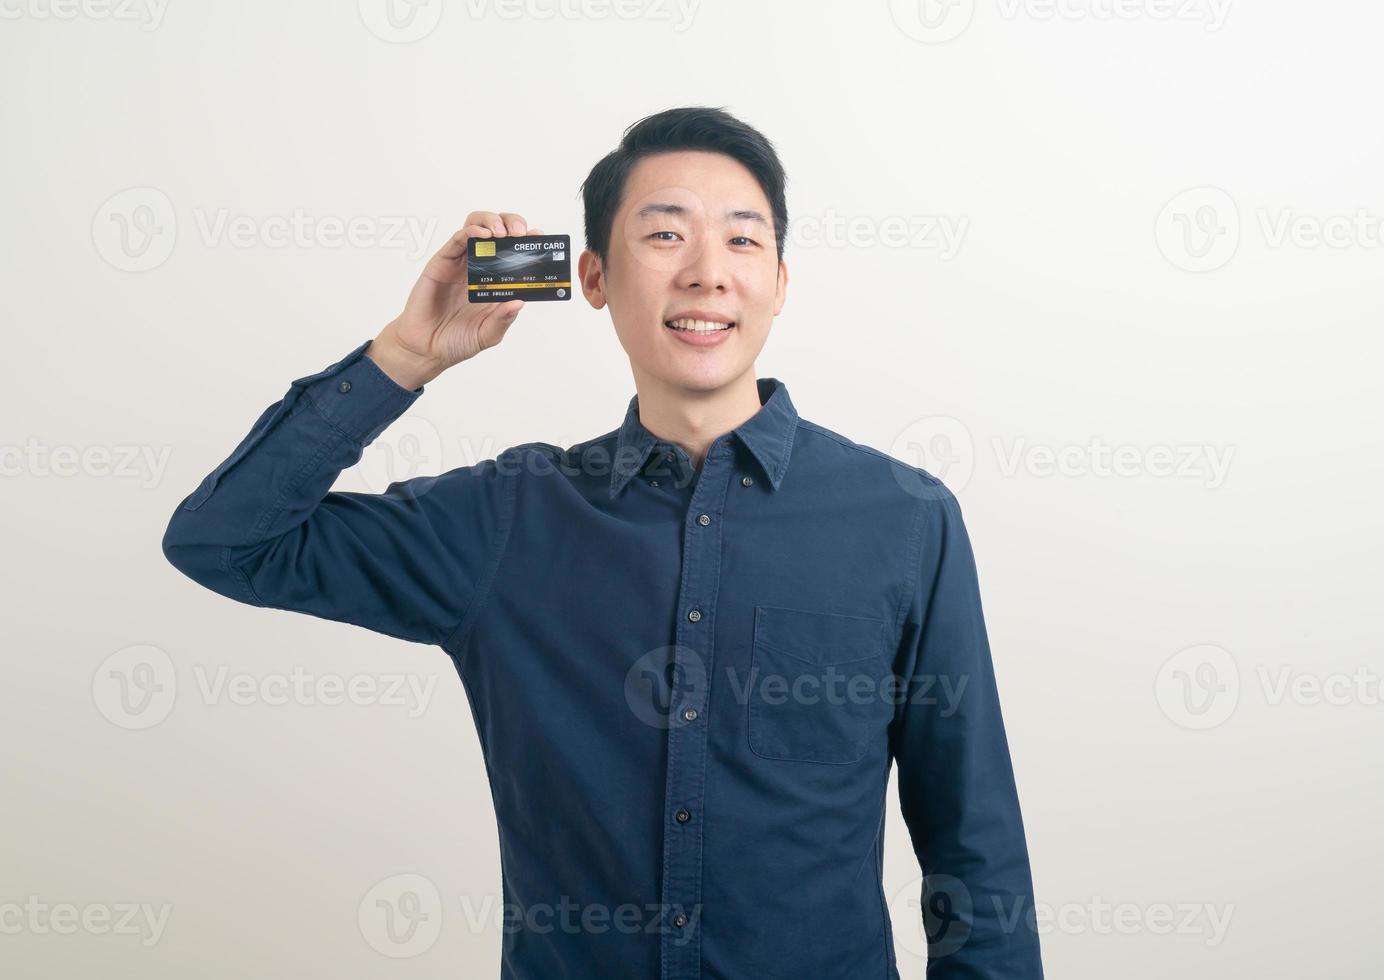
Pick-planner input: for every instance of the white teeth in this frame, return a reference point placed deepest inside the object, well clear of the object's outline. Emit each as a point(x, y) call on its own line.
point(699, 326)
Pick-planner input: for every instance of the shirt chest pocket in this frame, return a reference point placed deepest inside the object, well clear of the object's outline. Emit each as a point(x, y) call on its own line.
point(818, 685)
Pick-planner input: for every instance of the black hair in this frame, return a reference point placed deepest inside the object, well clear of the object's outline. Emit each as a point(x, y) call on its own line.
point(685, 128)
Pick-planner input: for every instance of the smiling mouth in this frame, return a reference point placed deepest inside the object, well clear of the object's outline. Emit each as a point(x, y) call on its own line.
point(698, 326)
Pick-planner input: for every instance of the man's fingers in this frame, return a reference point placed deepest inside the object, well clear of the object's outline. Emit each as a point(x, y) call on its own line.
point(484, 224)
point(496, 223)
point(455, 247)
point(494, 327)
point(487, 219)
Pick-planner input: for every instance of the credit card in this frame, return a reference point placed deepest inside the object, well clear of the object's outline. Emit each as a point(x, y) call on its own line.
point(529, 267)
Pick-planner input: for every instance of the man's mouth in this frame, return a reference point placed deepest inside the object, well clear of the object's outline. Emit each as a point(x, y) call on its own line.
point(698, 326)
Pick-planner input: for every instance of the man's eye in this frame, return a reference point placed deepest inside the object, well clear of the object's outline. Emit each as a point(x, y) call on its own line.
point(742, 238)
point(673, 233)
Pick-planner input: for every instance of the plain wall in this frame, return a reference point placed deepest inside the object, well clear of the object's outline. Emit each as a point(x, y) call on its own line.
point(1111, 269)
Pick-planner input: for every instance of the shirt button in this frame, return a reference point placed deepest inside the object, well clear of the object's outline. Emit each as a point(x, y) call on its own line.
point(694, 614)
point(344, 387)
point(653, 483)
point(747, 481)
point(703, 520)
point(689, 713)
point(680, 919)
point(682, 816)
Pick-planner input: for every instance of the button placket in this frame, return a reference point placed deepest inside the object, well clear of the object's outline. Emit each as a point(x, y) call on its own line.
point(687, 743)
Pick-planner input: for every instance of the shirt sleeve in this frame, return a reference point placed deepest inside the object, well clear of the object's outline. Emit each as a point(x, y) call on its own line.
point(264, 528)
point(956, 784)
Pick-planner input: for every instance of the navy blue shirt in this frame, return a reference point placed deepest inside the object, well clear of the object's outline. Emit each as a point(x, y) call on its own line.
point(689, 683)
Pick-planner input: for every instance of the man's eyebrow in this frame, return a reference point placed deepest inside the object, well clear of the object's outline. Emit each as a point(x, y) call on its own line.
point(747, 214)
point(678, 210)
point(661, 208)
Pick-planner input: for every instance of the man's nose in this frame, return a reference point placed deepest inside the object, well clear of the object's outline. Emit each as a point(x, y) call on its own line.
point(706, 269)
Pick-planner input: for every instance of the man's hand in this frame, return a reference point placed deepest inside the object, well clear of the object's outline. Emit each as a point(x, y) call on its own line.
point(439, 326)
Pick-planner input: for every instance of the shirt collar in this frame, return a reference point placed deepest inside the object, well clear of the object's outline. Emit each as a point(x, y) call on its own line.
point(768, 434)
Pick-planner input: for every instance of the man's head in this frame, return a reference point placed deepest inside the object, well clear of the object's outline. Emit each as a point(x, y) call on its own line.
point(687, 216)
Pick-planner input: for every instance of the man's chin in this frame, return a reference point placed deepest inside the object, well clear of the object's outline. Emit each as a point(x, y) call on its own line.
point(702, 374)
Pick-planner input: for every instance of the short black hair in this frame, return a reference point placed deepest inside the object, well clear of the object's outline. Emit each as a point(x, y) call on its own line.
point(685, 128)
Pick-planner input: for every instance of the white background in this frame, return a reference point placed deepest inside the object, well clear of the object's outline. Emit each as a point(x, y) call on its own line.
point(1146, 357)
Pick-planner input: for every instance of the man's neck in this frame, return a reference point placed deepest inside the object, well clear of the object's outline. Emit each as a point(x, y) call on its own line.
point(695, 419)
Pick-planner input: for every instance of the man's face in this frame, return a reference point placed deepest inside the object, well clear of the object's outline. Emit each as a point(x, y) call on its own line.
point(693, 239)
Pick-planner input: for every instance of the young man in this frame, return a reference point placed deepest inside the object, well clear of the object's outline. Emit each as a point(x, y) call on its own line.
point(694, 645)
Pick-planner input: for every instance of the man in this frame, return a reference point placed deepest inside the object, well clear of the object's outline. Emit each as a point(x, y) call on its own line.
point(694, 645)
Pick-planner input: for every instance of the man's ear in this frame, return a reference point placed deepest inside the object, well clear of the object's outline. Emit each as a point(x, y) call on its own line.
point(781, 293)
point(592, 276)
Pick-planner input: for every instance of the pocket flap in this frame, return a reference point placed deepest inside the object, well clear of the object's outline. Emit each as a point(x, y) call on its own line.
point(819, 638)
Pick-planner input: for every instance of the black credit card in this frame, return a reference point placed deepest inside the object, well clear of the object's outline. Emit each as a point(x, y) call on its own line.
point(530, 267)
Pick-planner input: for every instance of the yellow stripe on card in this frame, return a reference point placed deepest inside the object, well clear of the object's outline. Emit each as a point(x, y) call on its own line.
point(523, 285)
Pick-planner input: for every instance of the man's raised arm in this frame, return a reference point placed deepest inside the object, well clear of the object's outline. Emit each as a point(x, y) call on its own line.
point(414, 562)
